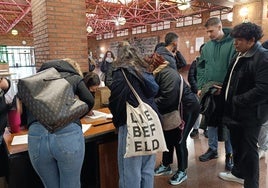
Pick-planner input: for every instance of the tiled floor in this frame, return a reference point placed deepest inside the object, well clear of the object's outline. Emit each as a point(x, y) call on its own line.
point(205, 174)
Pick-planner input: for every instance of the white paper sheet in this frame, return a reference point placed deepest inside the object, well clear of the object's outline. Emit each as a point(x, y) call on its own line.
point(109, 116)
point(21, 139)
point(85, 127)
point(98, 114)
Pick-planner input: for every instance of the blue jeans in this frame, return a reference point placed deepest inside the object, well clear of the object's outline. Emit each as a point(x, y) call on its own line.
point(57, 158)
point(213, 140)
point(263, 137)
point(134, 172)
point(197, 122)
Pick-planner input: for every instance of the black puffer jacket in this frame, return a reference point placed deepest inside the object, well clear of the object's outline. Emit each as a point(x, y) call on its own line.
point(70, 74)
point(167, 99)
point(192, 77)
point(247, 99)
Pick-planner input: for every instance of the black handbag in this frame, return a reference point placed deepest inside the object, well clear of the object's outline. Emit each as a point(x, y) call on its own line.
point(50, 98)
point(207, 103)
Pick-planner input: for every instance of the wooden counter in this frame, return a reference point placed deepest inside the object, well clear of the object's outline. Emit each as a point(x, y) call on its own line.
point(100, 155)
point(99, 126)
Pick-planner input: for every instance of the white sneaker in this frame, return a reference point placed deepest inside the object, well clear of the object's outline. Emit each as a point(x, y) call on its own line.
point(228, 176)
point(261, 153)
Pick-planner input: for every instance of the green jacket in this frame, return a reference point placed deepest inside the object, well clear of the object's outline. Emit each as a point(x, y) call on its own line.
point(214, 60)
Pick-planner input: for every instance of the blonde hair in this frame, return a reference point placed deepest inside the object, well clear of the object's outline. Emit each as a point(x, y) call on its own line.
point(123, 43)
point(75, 65)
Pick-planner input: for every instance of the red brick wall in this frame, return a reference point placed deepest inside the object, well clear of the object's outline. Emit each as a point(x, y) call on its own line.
point(189, 33)
point(60, 31)
point(265, 20)
point(11, 40)
point(257, 13)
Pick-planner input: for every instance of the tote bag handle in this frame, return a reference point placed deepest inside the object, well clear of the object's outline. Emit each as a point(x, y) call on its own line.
point(132, 89)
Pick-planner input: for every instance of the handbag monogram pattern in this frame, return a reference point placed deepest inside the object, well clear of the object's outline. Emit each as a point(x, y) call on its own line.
point(145, 135)
point(50, 98)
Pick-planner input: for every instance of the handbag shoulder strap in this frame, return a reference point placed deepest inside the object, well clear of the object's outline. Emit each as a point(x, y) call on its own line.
point(181, 89)
point(131, 87)
point(181, 92)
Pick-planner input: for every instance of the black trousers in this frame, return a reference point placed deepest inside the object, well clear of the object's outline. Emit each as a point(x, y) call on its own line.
point(189, 116)
point(245, 154)
point(172, 138)
point(3, 159)
point(177, 139)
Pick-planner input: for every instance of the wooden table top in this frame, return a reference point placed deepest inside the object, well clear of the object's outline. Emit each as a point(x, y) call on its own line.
point(4, 73)
point(99, 127)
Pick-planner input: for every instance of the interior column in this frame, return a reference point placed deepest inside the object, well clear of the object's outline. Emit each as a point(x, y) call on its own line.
point(59, 30)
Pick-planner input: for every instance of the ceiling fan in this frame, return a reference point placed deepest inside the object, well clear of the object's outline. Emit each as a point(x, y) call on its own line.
point(183, 4)
point(117, 20)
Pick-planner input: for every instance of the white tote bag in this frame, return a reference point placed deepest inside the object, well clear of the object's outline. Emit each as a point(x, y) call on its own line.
point(145, 135)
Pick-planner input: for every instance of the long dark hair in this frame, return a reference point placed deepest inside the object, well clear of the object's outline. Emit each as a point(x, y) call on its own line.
point(127, 56)
point(112, 54)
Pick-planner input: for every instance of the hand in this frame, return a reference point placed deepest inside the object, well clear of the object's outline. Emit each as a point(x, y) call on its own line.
point(4, 85)
point(91, 113)
point(199, 93)
point(218, 92)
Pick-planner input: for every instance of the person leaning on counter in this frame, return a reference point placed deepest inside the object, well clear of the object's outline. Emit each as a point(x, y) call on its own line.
point(58, 157)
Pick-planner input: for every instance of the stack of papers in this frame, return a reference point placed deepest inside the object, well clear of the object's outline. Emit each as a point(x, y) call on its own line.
point(21, 139)
point(85, 127)
point(97, 114)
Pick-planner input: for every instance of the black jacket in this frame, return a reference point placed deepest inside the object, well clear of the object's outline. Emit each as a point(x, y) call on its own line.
point(192, 77)
point(247, 99)
point(3, 110)
point(143, 83)
point(167, 99)
point(180, 60)
point(168, 56)
point(107, 69)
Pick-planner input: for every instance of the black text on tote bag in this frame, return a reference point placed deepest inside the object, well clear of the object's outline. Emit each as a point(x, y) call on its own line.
point(145, 135)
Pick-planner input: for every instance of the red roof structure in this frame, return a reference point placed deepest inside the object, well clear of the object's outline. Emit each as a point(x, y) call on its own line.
point(109, 15)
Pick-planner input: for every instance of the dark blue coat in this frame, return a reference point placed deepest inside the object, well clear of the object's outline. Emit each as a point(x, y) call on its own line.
point(143, 83)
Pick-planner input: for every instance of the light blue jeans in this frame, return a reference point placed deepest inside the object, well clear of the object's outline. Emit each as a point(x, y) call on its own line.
point(213, 140)
point(263, 137)
point(134, 172)
point(197, 122)
point(57, 158)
